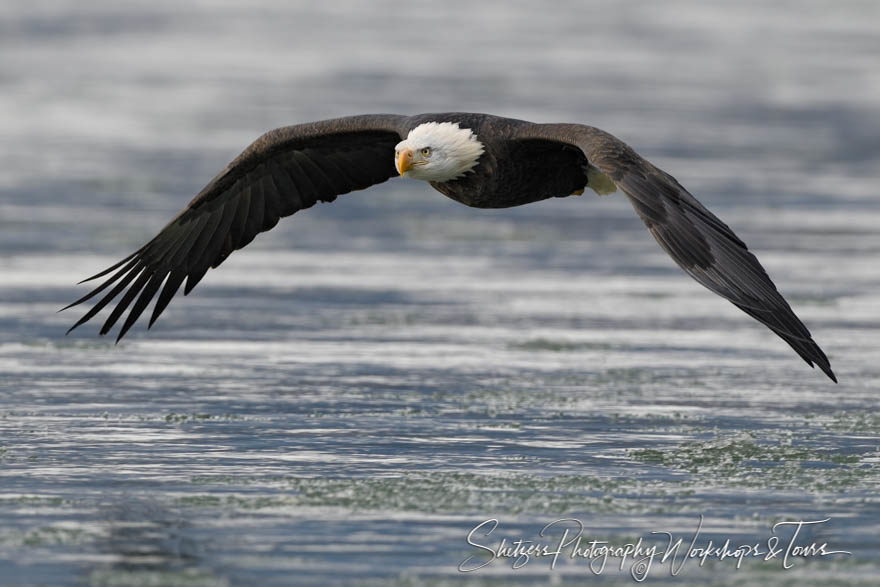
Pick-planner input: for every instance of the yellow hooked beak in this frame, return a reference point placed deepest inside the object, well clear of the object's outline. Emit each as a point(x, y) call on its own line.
point(404, 161)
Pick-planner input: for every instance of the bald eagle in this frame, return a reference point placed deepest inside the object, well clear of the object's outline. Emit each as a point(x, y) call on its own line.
point(480, 160)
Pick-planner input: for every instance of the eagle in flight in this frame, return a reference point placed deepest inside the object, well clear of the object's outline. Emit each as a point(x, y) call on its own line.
point(480, 160)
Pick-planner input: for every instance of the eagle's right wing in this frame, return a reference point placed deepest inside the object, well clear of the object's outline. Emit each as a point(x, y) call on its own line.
point(286, 170)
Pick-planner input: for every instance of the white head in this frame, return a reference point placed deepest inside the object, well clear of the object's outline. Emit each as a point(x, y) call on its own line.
point(437, 151)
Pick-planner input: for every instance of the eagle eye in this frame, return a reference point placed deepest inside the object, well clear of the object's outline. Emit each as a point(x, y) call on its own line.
point(426, 152)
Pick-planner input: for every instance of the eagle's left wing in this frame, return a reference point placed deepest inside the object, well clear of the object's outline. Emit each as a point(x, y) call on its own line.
point(704, 246)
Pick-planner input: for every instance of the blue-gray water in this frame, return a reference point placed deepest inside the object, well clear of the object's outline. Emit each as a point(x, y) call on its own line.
point(344, 400)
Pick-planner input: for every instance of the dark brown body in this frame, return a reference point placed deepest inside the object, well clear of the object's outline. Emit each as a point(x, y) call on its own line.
point(510, 172)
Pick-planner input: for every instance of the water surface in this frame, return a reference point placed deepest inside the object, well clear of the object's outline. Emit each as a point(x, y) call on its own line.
point(348, 397)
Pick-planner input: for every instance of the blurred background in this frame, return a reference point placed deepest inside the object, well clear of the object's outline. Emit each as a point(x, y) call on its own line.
point(345, 399)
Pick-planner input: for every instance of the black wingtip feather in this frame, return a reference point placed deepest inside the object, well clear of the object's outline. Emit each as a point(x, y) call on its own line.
point(787, 326)
point(143, 300)
point(126, 300)
point(195, 276)
point(104, 285)
point(126, 274)
point(175, 278)
point(108, 270)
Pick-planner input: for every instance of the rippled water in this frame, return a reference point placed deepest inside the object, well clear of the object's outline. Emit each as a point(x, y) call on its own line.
point(346, 399)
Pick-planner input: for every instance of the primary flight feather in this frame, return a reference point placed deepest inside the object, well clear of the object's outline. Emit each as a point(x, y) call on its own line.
point(480, 160)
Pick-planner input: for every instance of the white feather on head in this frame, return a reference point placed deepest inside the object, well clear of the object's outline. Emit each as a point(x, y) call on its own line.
point(453, 151)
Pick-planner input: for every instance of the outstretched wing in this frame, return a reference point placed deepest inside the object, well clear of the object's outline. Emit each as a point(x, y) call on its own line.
point(284, 171)
point(701, 244)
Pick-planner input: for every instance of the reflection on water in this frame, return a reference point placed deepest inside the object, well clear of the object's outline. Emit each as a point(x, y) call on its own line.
point(346, 399)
